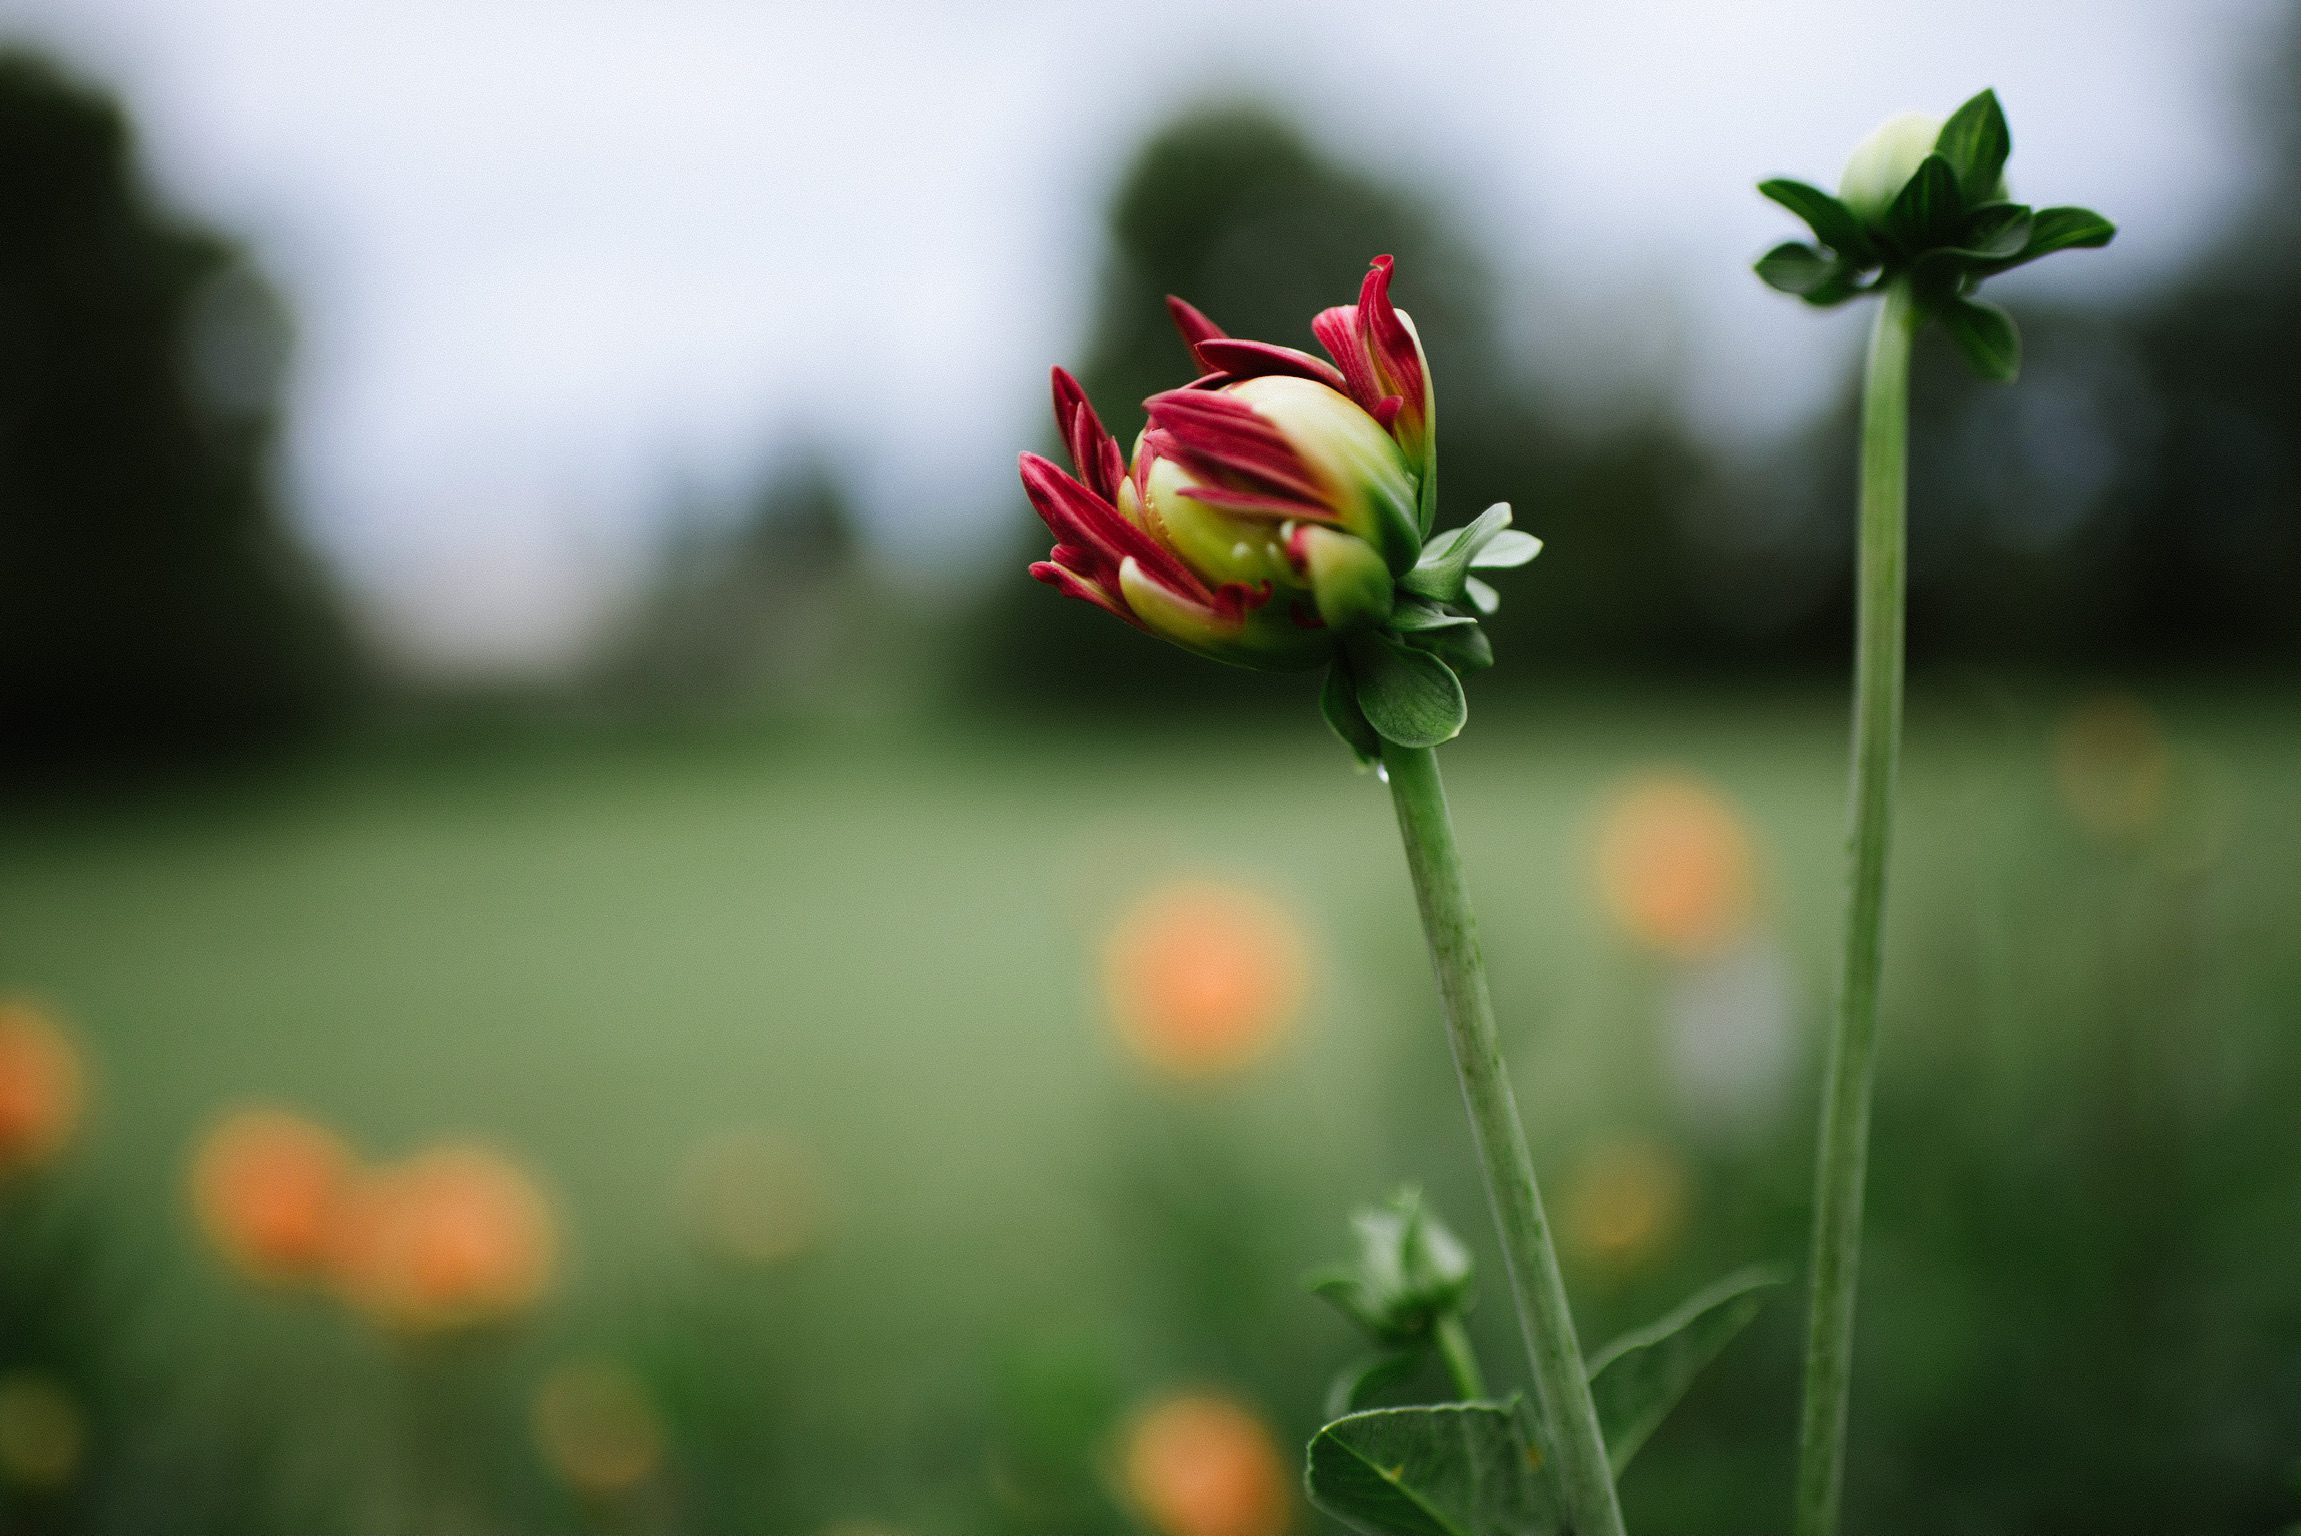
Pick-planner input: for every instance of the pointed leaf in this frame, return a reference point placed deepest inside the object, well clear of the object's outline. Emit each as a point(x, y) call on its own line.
point(1409, 696)
point(1639, 1378)
point(1451, 1469)
point(1506, 550)
point(1987, 336)
point(1338, 701)
point(1796, 268)
point(1832, 222)
point(1975, 141)
point(1927, 209)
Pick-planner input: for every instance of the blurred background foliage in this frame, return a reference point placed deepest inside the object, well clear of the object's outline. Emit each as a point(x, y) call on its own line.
point(739, 1090)
point(153, 601)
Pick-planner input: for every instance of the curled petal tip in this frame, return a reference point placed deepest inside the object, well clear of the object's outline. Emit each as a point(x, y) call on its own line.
point(1192, 322)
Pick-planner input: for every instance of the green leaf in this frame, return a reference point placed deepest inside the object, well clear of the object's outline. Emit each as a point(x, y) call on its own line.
point(1482, 597)
point(1415, 615)
point(1450, 1469)
point(1832, 222)
point(1338, 701)
point(1639, 1378)
point(1986, 335)
point(1446, 557)
point(1975, 141)
point(1409, 696)
point(1506, 550)
point(1359, 1384)
point(1796, 268)
point(1925, 213)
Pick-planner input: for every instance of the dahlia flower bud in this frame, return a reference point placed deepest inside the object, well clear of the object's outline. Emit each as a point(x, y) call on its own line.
point(1882, 164)
point(1275, 511)
point(1923, 201)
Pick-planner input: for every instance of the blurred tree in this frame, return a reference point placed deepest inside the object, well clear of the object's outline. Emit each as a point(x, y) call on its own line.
point(1233, 208)
point(761, 608)
point(152, 599)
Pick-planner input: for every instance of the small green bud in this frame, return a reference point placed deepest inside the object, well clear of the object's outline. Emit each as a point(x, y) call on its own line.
point(1884, 162)
point(1411, 1271)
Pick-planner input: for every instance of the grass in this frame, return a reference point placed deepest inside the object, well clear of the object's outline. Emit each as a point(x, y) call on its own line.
point(883, 942)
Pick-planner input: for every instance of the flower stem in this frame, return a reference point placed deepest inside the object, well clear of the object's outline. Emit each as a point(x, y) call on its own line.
point(1461, 1361)
point(1567, 1418)
point(1845, 1125)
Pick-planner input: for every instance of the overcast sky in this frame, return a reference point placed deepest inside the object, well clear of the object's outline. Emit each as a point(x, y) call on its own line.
point(553, 258)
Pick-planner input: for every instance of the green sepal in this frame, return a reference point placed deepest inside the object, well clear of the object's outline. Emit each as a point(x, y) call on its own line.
point(1338, 702)
point(1447, 558)
point(1349, 582)
point(1482, 597)
point(1465, 648)
point(1995, 231)
point(1414, 615)
point(1637, 1379)
point(1926, 212)
point(1833, 223)
point(1407, 695)
point(1985, 335)
point(1795, 268)
point(1356, 1386)
point(1448, 1469)
point(1975, 141)
point(1505, 551)
point(2058, 229)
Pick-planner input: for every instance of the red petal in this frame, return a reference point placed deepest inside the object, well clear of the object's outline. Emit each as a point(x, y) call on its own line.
point(1095, 455)
point(1216, 436)
point(1091, 536)
point(1387, 410)
point(1194, 325)
point(1337, 331)
point(1387, 340)
point(1256, 359)
point(1259, 504)
point(1071, 584)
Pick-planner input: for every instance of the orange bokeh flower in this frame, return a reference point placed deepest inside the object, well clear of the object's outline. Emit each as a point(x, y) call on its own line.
point(1676, 867)
point(40, 1087)
point(269, 1188)
point(43, 1432)
point(1205, 978)
point(753, 1197)
point(1625, 1205)
point(2113, 766)
point(1201, 1465)
point(597, 1427)
point(455, 1237)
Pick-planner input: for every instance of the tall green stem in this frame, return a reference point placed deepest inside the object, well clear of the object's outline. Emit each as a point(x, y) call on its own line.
point(1568, 1418)
point(1845, 1129)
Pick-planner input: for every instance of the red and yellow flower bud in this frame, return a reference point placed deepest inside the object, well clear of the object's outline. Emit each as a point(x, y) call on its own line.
point(1270, 506)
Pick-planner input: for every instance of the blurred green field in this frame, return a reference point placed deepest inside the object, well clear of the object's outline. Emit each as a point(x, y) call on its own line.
point(882, 941)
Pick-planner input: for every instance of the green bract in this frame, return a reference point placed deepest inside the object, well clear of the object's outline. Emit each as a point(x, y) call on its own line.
point(1928, 205)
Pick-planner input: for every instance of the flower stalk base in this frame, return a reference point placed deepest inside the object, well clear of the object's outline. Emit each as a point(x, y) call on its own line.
point(1566, 1416)
point(1845, 1129)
